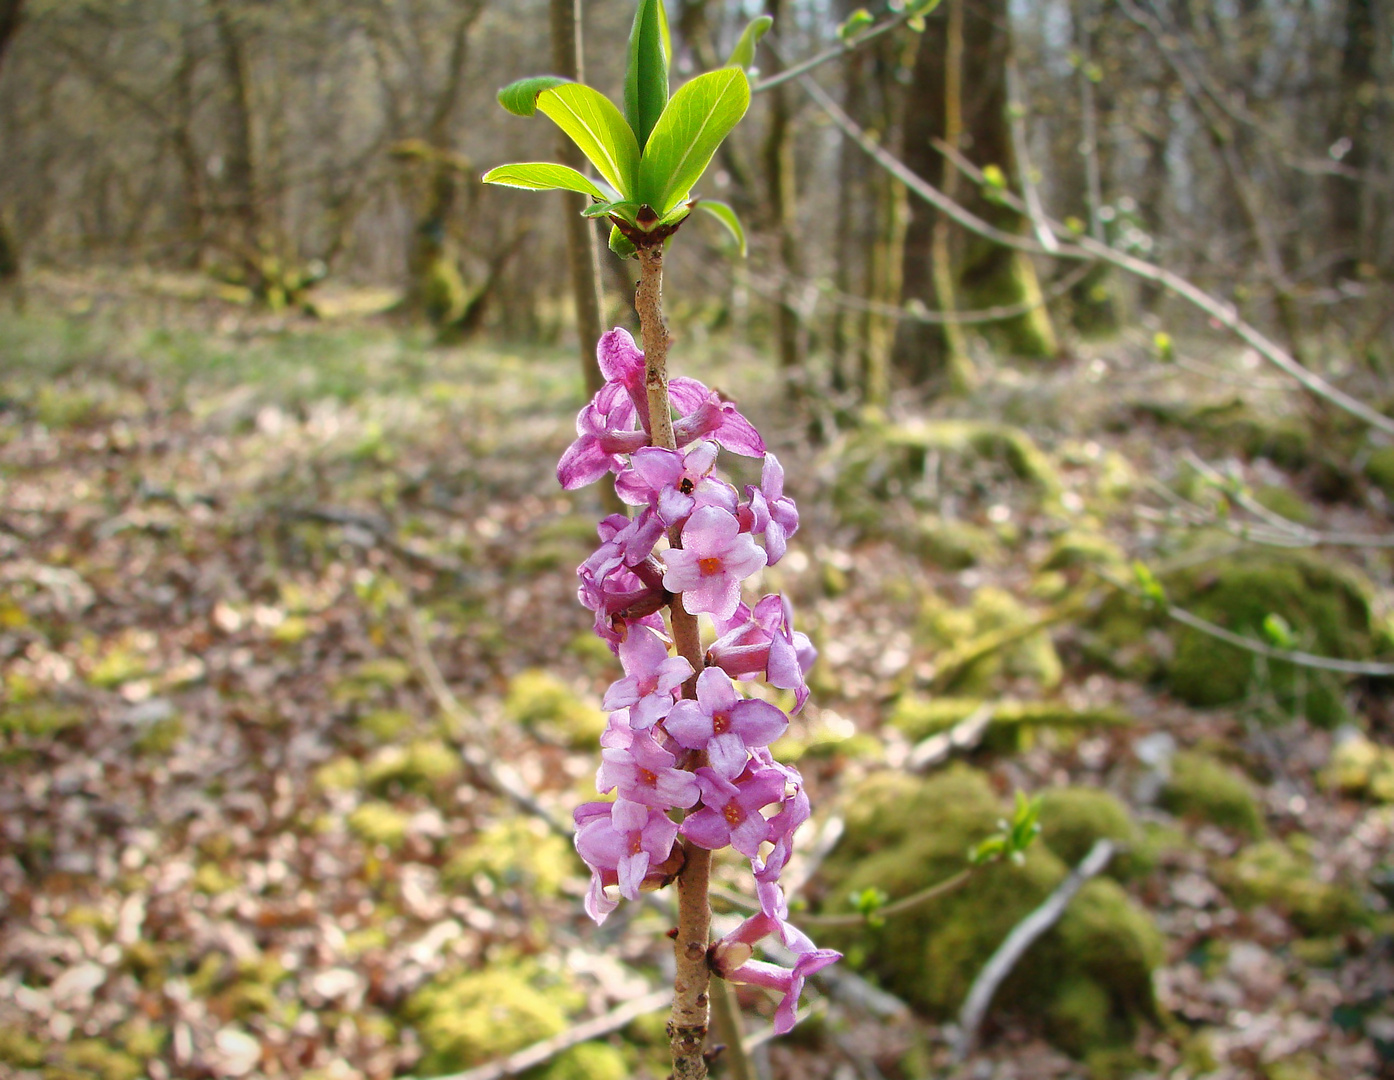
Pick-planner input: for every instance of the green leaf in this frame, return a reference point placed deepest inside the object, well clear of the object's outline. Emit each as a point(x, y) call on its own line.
point(543, 176)
point(520, 98)
point(1152, 592)
point(593, 123)
point(854, 24)
point(727, 217)
point(698, 117)
point(923, 7)
point(1278, 632)
point(743, 55)
point(620, 244)
point(626, 210)
point(646, 78)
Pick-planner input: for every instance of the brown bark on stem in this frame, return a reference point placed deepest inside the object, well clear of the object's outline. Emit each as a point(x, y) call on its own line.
point(687, 1028)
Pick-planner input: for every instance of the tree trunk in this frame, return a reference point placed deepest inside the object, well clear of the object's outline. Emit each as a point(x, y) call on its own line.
point(778, 160)
point(1351, 137)
point(10, 14)
point(243, 204)
point(582, 254)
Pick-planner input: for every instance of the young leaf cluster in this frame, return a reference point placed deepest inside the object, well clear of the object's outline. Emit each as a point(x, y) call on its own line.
point(651, 154)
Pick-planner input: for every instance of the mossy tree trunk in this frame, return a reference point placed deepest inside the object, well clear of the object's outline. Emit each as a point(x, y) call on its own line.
point(781, 203)
point(10, 12)
point(984, 274)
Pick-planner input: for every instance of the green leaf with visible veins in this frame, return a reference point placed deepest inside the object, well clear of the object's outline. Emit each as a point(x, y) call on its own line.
point(543, 176)
point(727, 217)
point(743, 55)
point(698, 117)
point(646, 78)
point(520, 98)
point(593, 123)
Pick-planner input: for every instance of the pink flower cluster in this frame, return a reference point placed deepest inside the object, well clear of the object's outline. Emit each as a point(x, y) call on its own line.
point(707, 755)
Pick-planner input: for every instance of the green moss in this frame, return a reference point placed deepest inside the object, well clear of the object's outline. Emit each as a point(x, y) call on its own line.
point(1327, 606)
point(1284, 502)
point(97, 1060)
point(1072, 819)
point(885, 467)
point(370, 677)
point(1201, 787)
point(952, 545)
point(379, 822)
point(589, 1061)
point(39, 718)
point(993, 614)
point(1379, 470)
point(19, 1048)
point(386, 725)
point(467, 1019)
point(1361, 767)
point(213, 880)
point(1274, 873)
point(920, 717)
point(518, 853)
point(904, 835)
point(1078, 548)
point(539, 701)
point(142, 1039)
point(423, 766)
point(162, 736)
point(340, 774)
point(1078, 1016)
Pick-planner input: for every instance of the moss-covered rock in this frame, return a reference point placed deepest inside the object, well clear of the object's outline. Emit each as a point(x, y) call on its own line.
point(539, 701)
point(467, 1019)
point(904, 835)
point(1273, 872)
point(1073, 818)
point(1205, 789)
point(1327, 606)
point(1284, 502)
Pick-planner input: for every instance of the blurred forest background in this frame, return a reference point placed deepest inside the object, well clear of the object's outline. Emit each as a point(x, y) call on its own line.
point(1096, 498)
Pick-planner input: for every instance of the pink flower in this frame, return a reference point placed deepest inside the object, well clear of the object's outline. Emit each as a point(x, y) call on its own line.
point(730, 811)
point(605, 429)
point(785, 981)
point(723, 723)
point(764, 643)
point(675, 483)
point(644, 772)
point(651, 679)
point(772, 512)
point(714, 558)
point(625, 837)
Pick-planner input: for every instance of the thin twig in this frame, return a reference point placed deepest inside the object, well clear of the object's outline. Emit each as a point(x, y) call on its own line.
point(1025, 933)
point(841, 49)
point(906, 903)
point(538, 1053)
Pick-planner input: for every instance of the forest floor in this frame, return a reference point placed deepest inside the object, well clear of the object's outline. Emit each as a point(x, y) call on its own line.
point(268, 587)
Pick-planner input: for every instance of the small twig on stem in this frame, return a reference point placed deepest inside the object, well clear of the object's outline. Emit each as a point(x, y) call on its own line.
point(1000, 964)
